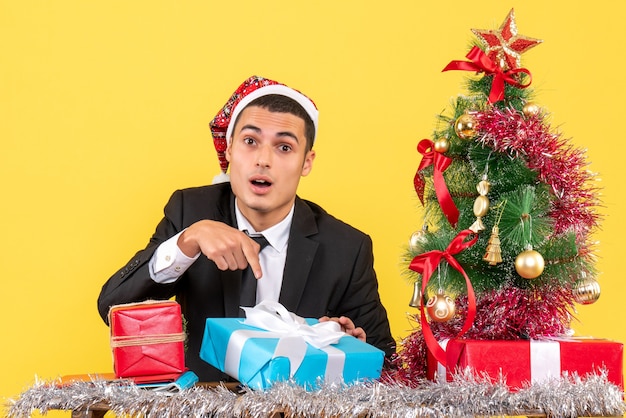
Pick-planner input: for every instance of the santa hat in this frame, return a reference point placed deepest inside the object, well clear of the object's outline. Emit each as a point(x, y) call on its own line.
point(253, 88)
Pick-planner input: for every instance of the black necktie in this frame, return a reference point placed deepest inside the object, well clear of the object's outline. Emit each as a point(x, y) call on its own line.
point(248, 281)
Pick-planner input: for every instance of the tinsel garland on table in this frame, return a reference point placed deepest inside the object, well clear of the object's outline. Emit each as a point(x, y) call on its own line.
point(468, 395)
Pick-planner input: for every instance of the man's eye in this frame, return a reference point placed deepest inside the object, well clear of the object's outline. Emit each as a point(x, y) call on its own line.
point(248, 140)
point(285, 148)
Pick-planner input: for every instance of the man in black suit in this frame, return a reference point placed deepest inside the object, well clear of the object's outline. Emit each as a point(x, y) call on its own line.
point(315, 265)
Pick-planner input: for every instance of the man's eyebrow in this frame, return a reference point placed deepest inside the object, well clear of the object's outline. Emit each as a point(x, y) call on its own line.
point(289, 134)
point(279, 134)
point(252, 127)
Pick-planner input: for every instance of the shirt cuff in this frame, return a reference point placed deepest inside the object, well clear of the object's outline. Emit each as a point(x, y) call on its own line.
point(168, 262)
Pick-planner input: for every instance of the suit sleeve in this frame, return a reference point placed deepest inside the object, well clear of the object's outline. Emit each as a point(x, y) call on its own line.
point(132, 282)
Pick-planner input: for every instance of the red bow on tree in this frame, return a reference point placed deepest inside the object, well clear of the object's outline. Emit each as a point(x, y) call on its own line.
point(440, 163)
point(480, 62)
point(425, 264)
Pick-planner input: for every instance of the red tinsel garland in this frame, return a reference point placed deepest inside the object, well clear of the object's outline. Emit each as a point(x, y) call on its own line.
point(557, 162)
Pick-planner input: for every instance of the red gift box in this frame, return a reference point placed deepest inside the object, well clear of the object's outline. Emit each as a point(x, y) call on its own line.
point(147, 339)
point(523, 362)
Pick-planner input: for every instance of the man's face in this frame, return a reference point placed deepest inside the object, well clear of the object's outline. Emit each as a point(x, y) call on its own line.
point(267, 157)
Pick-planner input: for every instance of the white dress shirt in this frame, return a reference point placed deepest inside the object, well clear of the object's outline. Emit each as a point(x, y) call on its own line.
point(168, 262)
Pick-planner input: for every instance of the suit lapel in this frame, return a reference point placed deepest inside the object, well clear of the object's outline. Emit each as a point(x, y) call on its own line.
point(300, 255)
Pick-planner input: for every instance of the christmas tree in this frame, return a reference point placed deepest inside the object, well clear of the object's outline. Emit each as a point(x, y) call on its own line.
point(505, 252)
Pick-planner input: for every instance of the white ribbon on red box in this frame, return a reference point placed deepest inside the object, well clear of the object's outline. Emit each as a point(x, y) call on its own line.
point(440, 374)
point(545, 361)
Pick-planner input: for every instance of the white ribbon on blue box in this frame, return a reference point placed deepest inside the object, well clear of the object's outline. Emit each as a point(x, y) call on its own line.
point(272, 345)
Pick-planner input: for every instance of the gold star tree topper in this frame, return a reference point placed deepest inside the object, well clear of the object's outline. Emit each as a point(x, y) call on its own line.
point(504, 46)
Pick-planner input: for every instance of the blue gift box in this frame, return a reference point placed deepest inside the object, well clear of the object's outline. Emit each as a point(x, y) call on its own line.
point(258, 358)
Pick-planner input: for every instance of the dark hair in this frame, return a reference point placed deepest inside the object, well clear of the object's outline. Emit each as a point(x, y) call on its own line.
point(282, 104)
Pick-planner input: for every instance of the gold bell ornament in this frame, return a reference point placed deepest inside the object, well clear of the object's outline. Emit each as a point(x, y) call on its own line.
point(416, 298)
point(440, 307)
point(586, 290)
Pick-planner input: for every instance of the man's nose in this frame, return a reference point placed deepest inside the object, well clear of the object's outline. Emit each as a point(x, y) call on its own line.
point(264, 156)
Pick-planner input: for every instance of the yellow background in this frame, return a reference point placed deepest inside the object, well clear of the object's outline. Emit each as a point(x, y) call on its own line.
point(104, 107)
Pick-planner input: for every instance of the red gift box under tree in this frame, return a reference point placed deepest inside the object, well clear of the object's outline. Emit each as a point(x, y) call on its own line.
point(522, 362)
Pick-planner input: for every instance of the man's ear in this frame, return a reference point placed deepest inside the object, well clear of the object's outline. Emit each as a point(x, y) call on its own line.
point(308, 163)
point(228, 152)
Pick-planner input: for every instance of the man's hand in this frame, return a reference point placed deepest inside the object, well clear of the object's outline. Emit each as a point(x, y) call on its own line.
point(228, 247)
point(347, 326)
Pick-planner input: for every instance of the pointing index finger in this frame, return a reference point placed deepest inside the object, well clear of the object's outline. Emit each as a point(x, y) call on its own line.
point(251, 251)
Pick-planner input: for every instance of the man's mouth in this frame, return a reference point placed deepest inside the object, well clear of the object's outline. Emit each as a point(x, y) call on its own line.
point(261, 183)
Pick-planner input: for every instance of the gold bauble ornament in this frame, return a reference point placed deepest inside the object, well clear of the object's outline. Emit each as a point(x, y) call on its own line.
point(442, 145)
point(531, 109)
point(417, 239)
point(465, 126)
point(586, 291)
point(529, 264)
point(440, 307)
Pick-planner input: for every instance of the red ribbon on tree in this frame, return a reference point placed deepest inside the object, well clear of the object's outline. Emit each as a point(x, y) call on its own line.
point(425, 264)
point(480, 62)
point(440, 163)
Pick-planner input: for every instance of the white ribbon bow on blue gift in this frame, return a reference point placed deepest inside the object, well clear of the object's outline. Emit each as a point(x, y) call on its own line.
point(293, 334)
